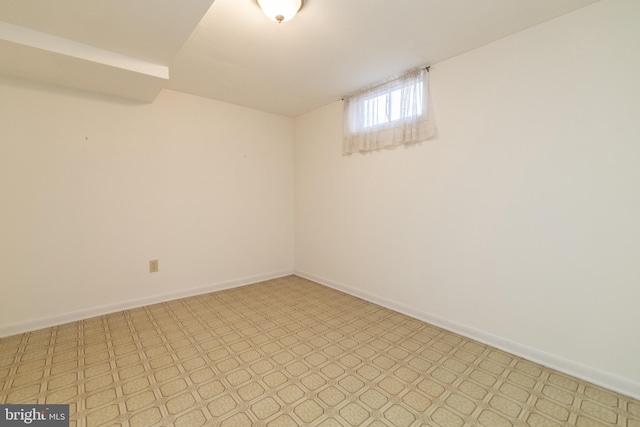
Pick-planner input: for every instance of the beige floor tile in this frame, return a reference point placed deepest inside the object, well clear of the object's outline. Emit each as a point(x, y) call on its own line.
point(289, 352)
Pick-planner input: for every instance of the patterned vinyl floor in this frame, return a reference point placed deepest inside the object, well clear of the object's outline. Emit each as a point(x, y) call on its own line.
point(289, 352)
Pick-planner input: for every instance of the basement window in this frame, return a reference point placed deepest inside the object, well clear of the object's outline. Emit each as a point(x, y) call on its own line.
point(387, 107)
point(391, 113)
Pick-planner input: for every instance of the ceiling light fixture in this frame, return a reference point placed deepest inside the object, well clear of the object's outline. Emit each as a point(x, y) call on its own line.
point(280, 10)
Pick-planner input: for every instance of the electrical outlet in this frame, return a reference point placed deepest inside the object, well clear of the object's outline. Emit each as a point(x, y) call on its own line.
point(153, 266)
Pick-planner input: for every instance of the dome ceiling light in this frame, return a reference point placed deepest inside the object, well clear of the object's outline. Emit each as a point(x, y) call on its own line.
point(280, 10)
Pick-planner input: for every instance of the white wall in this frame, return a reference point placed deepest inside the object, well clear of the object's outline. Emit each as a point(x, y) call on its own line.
point(520, 224)
point(93, 188)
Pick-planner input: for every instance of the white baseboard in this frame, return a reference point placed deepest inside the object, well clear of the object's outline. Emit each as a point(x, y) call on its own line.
point(59, 319)
point(596, 376)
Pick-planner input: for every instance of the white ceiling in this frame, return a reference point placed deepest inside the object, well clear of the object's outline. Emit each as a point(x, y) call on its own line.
point(231, 52)
point(117, 47)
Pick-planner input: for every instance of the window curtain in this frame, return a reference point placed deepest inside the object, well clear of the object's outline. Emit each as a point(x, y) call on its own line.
point(389, 114)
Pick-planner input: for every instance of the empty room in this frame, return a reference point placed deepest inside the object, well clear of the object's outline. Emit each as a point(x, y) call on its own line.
point(320, 212)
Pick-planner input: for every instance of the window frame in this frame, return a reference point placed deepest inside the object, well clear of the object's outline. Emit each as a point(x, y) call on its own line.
point(391, 113)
